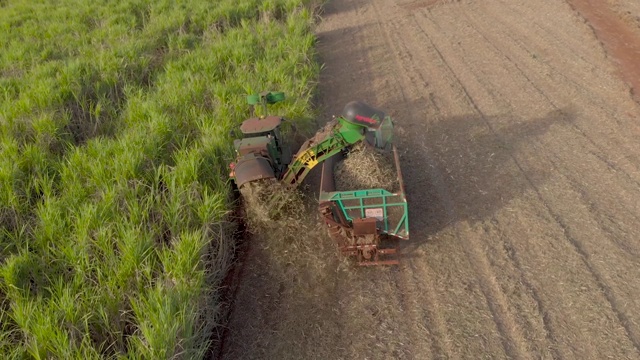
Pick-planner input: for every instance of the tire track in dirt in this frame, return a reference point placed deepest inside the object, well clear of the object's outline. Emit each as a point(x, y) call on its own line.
point(494, 296)
point(429, 320)
point(390, 283)
point(443, 59)
point(547, 323)
point(599, 149)
point(578, 245)
point(426, 319)
point(428, 309)
point(602, 284)
point(541, 198)
point(553, 48)
point(412, 79)
point(389, 43)
point(496, 44)
point(599, 152)
point(606, 289)
point(597, 212)
point(396, 299)
point(599, 209)
point(497, 180)
point(417, 311)
point(602, 104)
point(530, 181)
point(607, 104)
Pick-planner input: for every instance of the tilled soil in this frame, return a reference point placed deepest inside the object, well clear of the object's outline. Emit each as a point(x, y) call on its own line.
point(521, 160)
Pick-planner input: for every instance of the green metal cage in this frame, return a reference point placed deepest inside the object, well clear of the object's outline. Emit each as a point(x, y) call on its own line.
point(389, 209)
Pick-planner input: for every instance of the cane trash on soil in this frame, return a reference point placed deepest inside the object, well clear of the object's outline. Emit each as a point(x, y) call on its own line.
point(283, 223)
point(270, 205)
point(366, 168)
point(280, 218)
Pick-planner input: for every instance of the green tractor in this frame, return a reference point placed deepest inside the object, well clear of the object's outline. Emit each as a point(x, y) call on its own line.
point(358, 220)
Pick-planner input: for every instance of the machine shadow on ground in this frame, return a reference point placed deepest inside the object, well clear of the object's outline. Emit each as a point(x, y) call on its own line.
point(458, 169)
point(455, 168)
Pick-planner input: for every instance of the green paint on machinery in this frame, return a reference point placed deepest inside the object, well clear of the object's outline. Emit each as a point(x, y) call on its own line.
point(363, 221)
point(389, 209)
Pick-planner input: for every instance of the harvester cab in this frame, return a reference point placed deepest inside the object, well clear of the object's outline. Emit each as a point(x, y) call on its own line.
point(262, 152)
point(378, 126)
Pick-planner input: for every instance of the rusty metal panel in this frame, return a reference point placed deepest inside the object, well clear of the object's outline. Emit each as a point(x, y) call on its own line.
point(364, 226)
point(251, 169)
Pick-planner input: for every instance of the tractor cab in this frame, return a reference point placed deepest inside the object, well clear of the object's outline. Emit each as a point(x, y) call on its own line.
point(262, 136)
point(261, 130)
point(261, 153)
point(264, 131)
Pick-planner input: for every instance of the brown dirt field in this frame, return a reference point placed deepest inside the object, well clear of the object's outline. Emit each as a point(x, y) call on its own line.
point(627, 10)
point(617, 26)
point(521, 160)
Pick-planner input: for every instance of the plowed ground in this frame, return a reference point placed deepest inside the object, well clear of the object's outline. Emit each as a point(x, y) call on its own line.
point(521, 156)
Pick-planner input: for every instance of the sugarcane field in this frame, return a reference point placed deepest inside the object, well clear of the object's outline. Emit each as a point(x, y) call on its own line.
point(320, 179)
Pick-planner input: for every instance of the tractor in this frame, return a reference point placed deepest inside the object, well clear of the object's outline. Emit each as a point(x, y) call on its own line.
point(362, 221)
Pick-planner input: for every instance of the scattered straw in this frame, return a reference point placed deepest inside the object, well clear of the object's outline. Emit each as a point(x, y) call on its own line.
point(366, 168)
point(283, 223)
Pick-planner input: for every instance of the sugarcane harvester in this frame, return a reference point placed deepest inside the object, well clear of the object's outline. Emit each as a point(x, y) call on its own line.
point(362, 222)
